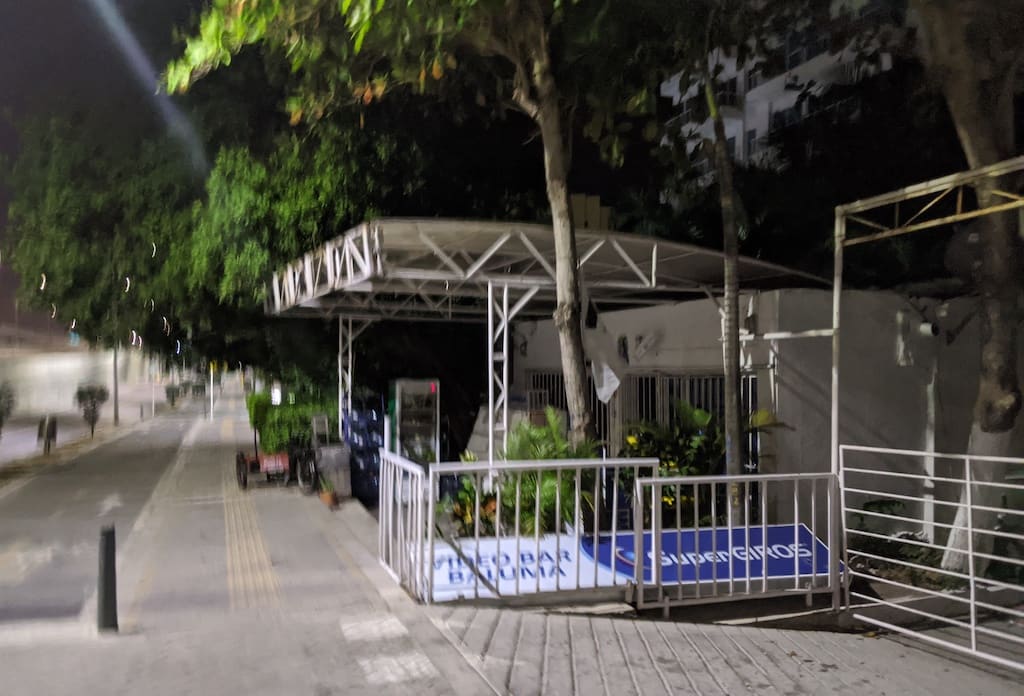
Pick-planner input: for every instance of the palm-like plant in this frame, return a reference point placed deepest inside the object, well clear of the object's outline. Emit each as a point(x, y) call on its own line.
point(555, 491)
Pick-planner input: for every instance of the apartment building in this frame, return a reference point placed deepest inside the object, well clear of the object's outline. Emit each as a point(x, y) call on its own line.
point(760, 97)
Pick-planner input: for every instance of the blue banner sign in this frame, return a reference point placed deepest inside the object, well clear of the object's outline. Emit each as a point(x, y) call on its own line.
point(785, 551)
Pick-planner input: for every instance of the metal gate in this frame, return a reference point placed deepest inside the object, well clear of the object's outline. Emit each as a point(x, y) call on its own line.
point(547, 388)
point(901, 507)
point(654, 397)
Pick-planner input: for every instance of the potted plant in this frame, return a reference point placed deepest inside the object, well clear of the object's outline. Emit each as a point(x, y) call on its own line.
point(327, 493)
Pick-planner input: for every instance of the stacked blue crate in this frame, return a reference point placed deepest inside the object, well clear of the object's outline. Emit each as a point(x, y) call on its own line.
point(364, 433)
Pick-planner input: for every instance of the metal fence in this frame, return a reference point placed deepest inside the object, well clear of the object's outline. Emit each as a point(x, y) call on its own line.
point(403, 520)
point(592, 526)
point(654, 397)
point(901, 508)
point(699, 538)
point(648, 397)
point(547, 388)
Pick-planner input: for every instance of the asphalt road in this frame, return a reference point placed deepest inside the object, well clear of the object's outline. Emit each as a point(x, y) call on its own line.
point(50, 524)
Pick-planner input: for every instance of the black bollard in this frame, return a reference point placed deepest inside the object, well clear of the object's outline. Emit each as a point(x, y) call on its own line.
point(106, 595)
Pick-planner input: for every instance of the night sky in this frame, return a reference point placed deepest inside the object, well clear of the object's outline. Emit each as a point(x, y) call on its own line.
point(57, 55)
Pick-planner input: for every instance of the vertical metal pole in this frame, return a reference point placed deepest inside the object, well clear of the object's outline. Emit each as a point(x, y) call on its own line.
point(506, 320)
point(350, 369)
point(970, 554)
point(341, 378)
point(106, 595)
point(152, 385)
point(490, 373)
point(211, 390)
point(836, 518)
point(431, 516)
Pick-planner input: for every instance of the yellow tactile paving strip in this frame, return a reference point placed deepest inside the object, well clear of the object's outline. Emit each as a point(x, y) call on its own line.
point(252, 582)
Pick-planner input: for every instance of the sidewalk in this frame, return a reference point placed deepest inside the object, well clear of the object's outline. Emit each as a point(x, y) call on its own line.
point(268, 592)
point(258, 592)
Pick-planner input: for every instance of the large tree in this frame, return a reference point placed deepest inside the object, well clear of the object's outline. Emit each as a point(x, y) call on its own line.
point(974, 55)
point(547, 58)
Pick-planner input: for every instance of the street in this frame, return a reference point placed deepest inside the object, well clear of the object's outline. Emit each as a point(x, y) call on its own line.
point(219, 590)
point(49, 524)
point(267, 591)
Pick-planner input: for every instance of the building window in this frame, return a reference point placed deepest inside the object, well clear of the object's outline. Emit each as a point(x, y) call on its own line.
point(730, 146)
point(751, 143)
point(728, 94)
point(754, 78)
point(784, 118)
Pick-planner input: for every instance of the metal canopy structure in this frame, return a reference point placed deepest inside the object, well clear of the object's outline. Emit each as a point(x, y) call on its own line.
point(437, 269)
point(464, 270)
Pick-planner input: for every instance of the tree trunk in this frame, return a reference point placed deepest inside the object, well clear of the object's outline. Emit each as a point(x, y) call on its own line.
point(974, 60)
point(731, 309)
point(546, 112)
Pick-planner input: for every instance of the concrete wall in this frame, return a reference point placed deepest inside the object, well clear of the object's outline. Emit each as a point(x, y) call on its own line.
point(46, 382)
point(686, 335)
point(898, 387)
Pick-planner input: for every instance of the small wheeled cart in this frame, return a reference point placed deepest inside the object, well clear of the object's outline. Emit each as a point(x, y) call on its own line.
point(298, 464)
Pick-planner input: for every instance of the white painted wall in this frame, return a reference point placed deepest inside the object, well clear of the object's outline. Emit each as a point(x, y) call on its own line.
point(882, 402)
point(46, 382)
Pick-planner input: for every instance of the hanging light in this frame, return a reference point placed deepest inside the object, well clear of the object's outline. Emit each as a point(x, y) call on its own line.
point(127, 283)
point(74, 322)
point(42, 286)
point(53, 311)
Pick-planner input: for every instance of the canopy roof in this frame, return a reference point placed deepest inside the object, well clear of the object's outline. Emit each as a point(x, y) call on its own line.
point(438, 269)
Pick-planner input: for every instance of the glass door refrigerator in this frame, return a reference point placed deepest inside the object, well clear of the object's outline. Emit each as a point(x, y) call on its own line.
point(414, 407)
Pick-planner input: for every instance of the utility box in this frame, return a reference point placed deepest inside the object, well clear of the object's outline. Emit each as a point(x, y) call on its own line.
point(333, 460)
point(414, 409)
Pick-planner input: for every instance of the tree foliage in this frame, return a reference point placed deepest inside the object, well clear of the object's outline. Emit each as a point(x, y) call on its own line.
point(550, 60)
point(85, 234)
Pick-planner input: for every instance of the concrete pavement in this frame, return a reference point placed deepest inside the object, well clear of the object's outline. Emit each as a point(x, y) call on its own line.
point(269, 592)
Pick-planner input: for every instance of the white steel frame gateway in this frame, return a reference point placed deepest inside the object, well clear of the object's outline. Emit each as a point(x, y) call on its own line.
point(929, 205)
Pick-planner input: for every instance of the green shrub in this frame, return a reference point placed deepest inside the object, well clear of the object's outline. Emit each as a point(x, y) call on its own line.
point(288, 424)
point(527, 442)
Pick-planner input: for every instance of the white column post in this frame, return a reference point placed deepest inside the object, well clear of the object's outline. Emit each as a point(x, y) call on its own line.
point(506, 329)
point(490, 373)
point(211, 390)
point(341, 377)
point(837, 521)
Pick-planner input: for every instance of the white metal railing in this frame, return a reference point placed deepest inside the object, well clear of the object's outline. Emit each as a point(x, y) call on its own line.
point(901, 508)
point(697, 538)
point(470, 530)
point(525, 527)
point(402, 520)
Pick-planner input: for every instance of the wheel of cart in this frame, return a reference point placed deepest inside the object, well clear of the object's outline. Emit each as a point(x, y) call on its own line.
point(242, 470)
point(306, 472)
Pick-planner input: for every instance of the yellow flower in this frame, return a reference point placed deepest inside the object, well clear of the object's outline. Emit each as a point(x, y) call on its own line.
point(632, 440)
point(668, 500)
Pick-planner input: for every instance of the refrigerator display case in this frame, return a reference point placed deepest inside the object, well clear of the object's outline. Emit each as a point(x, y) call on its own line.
point(414, 409)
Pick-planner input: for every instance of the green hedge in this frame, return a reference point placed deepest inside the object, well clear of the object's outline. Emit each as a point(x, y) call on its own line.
point(287, 424)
